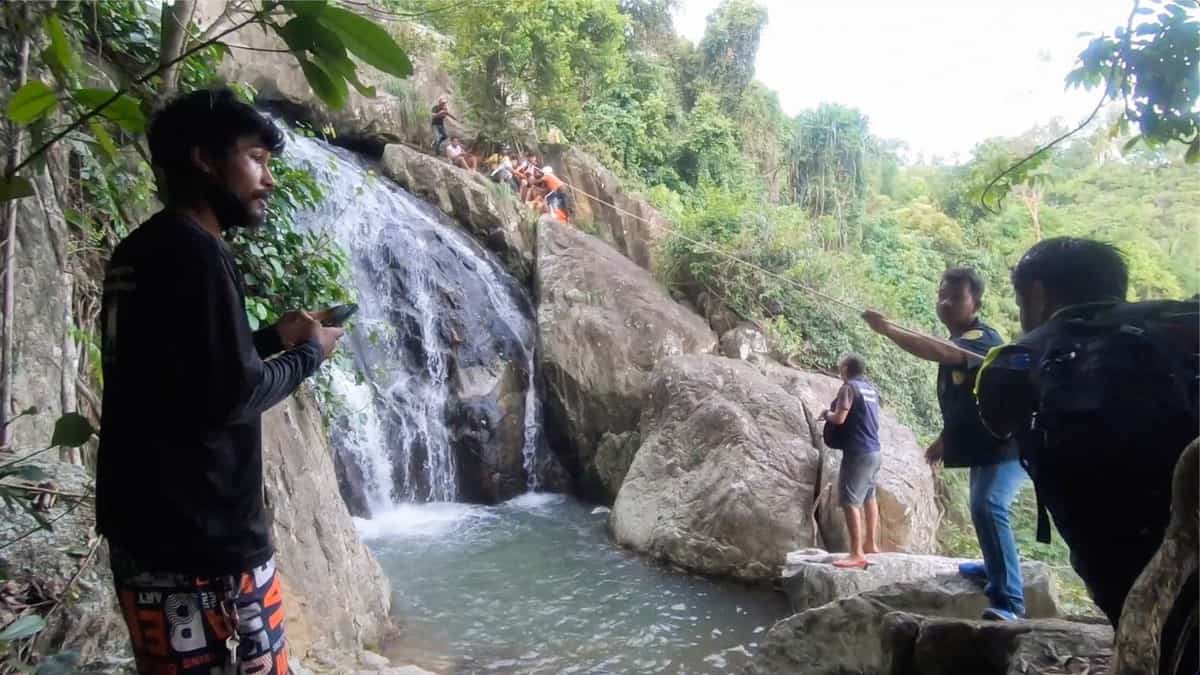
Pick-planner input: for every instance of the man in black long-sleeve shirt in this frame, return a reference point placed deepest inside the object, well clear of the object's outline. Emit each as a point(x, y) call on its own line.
point(179, 486)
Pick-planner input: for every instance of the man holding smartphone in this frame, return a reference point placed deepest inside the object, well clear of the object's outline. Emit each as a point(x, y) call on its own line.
point(179, 485)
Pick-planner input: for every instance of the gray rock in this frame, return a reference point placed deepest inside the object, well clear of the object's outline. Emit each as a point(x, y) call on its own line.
point(907, 498)
point(932, 582)
point(634, 227)
point(897, 629)
point(604, 324)
point(723, 482)
point(489, 211)
point(745, 342)
point(335, 594)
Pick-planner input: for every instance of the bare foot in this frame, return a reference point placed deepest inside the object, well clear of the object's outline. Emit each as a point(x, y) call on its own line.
point(871, 550)
point(851, 562)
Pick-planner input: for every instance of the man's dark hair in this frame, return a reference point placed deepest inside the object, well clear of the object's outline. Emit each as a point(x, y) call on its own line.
point(209, 119)
point(854, 365)
point(1073, 270)
point(958, 276)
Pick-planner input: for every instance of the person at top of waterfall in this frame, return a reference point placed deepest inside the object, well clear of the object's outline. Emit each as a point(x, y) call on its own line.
point(460, 157)
point(502, 171)
point(525, 171)
point(855, 415)
point(441, 110)
point(996, 472)
point(179, 479)
point(556, 197)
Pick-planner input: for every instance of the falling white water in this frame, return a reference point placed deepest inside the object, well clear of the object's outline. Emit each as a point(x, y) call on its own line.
point(406, 263)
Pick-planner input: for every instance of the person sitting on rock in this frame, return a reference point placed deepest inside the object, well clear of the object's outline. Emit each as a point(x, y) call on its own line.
point(459, 156)
point(854, 416)
point(179, 477)
point(1101, 396)
point(996, 472)
point(502, 171)
point(441, 111)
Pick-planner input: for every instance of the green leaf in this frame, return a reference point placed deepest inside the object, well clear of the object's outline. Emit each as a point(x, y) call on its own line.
point(331, 89)
point(252, 319)
point(304, 7)
point(368, 41)
point(1129, 145)
point(15, 187)
point(343, 67)
point(1193, 152)
point(125, 110)
point(26, 625)
point(60, 47)
point(31, 101)
point(71, 430)
point(260, 310)
point(103, 139)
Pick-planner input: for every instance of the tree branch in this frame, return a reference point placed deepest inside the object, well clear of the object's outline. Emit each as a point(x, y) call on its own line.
point(121, 92)
point(1099, 104)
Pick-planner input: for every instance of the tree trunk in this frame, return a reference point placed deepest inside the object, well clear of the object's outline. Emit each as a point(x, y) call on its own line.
point(176, 18)
point(10, 258)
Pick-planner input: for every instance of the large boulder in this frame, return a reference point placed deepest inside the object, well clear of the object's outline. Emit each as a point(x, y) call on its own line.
point(335, 594)
point(489, 211)
point(623, 219)
point(811, 581)
point(724, 480)
point(604, 324)
point(907, 506)
point(923, 628)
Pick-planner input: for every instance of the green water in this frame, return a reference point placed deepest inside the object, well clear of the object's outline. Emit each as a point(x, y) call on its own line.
point(536, 586)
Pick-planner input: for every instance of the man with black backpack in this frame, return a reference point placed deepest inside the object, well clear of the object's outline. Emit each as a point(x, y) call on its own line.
point(1101, 396)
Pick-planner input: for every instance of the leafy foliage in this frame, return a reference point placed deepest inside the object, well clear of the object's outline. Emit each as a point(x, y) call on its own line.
point(729, 46)
point(550, 61)
point(1153, 68)
point(316, 267)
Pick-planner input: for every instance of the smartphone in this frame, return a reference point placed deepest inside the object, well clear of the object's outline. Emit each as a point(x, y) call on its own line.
point(337, 316)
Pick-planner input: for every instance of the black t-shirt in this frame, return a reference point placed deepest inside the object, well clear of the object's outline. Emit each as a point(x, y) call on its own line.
point(966, 441)
point(440, 113)
point(179, 483)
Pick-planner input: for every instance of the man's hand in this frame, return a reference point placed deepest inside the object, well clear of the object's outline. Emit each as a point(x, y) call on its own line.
point(935, 451)
point(823, 416)
point(876, 321)
point(302, 327)
point(293, 328)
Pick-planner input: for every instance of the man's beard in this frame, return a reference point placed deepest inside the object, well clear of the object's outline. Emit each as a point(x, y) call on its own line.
point(229, 209)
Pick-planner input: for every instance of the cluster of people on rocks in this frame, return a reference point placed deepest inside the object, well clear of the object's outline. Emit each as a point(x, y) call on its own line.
point(533, 182)
point(1096, 402)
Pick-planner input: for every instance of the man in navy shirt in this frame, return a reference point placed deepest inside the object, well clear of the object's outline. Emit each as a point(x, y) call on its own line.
point(996, 472)
point(855, 413)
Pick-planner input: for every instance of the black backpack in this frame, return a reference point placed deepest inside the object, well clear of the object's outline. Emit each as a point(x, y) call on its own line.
point(1102, 400)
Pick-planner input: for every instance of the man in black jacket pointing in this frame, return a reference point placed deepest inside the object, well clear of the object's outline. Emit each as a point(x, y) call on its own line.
point(179, 488)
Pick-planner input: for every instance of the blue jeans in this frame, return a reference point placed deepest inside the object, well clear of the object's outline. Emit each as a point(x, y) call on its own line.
point(993, 489)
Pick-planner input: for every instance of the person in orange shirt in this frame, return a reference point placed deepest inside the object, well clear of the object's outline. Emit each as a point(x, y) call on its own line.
point(556, 198)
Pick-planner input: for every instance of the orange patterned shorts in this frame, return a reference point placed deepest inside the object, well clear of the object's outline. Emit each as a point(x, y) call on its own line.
point(184, 625)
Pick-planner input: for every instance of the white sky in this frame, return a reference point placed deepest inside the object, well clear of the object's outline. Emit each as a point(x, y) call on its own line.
point(940, 75)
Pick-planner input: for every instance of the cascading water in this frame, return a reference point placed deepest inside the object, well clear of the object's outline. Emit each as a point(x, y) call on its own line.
point(440, 320)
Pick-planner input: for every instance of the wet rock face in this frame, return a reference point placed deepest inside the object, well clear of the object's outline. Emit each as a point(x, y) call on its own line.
point(604, 323)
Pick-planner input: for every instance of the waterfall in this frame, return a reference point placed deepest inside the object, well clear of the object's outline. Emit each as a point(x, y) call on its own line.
point(438, 315)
